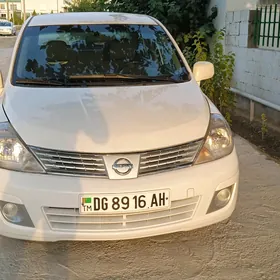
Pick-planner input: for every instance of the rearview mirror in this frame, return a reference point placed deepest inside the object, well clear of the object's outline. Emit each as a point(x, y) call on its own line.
point(203, 70)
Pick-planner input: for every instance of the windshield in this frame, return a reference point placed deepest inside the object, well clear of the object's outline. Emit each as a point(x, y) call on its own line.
point(3, 23)
point(88, 52)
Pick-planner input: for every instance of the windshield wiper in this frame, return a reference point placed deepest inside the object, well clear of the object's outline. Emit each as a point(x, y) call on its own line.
point(40, 82)
point(125, 77)
point(85, 80)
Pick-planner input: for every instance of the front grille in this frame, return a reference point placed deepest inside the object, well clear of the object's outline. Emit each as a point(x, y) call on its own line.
point(71, 163)
point(69, 219)
point(93, 165)
point(168, 158)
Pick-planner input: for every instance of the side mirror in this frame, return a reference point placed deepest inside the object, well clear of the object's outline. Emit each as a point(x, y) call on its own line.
point(203, 70)
point(1, 81)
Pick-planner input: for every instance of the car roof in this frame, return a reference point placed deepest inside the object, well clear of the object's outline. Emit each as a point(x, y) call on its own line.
point(91, 18)
point(5, 20)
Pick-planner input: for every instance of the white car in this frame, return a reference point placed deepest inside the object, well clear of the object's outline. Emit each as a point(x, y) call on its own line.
point(105, 133)
point(7, 28)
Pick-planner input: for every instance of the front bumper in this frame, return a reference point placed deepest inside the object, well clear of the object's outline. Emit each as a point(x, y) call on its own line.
point(193, 186)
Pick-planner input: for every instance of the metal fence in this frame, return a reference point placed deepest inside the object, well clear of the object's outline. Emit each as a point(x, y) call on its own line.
point(267, 26)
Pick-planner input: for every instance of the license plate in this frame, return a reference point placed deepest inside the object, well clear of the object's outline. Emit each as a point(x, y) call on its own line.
point(124, 203)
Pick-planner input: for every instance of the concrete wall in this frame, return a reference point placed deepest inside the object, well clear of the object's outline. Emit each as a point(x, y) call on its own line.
point(256, 70)
point(222, 10)
point(238, 5)
point(256, 79)
point(225, 6)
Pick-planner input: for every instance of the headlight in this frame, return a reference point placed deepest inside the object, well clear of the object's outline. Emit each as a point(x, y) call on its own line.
point(13, 154)
point(219, 142)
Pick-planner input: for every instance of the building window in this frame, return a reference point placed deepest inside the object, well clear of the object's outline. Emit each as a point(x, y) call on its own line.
point(3, 16)
point(13, 7)
point(2, 7)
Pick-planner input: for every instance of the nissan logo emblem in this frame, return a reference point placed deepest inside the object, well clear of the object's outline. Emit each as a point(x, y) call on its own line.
point(122, 166)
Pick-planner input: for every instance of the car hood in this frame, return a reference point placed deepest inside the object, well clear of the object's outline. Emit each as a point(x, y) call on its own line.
point(108, 119)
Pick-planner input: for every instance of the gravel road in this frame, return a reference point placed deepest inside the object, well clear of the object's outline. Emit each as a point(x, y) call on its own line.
point(248, 247)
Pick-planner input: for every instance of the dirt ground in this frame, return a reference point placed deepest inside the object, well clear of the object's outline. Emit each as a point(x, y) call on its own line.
point(248, 247)
point(268, 143)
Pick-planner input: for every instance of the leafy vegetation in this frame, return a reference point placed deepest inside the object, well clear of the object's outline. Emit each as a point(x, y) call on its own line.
point(87, 5)
point(179, 16)
point(16, 19)
point(264, 129)
point(217, 88)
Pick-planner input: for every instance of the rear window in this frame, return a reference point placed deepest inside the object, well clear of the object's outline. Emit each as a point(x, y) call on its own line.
point(4, 23)
point(60, 52)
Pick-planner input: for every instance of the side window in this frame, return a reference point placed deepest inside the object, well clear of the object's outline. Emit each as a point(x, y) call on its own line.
point(32, 56)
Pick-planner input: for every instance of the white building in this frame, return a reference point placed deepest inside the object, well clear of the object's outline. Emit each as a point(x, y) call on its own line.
point(253, 34)
point(14, 6)
point(39, 6)
point(45, 6)
point(225, 6)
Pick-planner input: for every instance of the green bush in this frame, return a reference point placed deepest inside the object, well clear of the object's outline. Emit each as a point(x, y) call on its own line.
point(16, 19)
point(196, 48)
point(264, 129)
point(217, 88)
point(179, 16)
point(87, 5)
